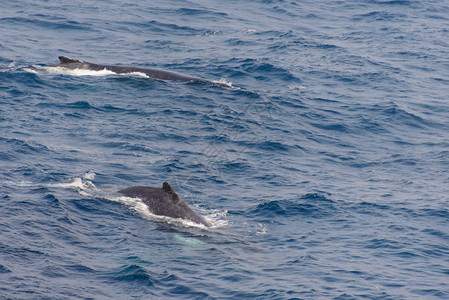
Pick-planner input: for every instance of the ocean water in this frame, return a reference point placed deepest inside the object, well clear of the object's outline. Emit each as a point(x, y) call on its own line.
point(324, 170)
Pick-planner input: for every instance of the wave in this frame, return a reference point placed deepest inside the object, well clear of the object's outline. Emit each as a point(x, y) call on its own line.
point(46, 23)
point(132, 274)
point(23, 146)
point(309, 205)
point(259, 69)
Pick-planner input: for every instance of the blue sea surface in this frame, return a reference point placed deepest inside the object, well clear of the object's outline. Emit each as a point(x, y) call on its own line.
point(324, 170)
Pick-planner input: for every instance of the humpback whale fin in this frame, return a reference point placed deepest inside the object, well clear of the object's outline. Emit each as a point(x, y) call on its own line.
point(68, 60)
point(167, 187)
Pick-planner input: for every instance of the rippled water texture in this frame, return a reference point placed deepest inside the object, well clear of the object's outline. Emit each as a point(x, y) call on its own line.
point(324, 171)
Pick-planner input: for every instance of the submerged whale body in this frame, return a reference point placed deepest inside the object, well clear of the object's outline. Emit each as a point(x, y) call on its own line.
point(164, 202)
point(73, 64)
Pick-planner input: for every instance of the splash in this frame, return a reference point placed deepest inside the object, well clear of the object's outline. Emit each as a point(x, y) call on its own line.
point(73, 72)
point(223, 81)
point(82, 184)
point(297, 87)
point(215, 217)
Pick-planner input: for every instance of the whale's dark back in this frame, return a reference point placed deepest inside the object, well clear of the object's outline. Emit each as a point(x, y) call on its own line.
point(164, 202)
point(72, 63)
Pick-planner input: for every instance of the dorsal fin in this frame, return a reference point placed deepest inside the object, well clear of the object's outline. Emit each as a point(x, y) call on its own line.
point(167, 188)
point(68, 60)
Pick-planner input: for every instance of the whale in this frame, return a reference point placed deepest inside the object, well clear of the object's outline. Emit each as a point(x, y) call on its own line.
point(164, 202)
point(73, 64)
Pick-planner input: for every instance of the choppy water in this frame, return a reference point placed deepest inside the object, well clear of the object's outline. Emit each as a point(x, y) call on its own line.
point(324, 172)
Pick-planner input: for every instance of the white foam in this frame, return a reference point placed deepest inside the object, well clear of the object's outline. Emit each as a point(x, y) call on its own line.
point(223, 81)
point(89, 175)
point(11, 66)
point(262, 230)
point(136, 74)
point(31, 70)
point(79, 184)
point(21, 183)
point(216, 218)
point(297, 87)
point(249, 30)
point(74, 72)
point(134, 204)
